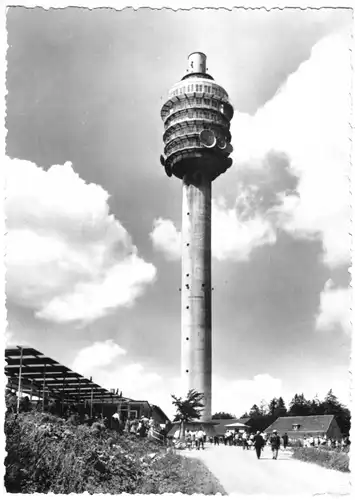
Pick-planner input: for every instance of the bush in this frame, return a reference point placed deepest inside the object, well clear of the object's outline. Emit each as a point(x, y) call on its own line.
point(174, 473)
point(48, 454)
point(331, 459)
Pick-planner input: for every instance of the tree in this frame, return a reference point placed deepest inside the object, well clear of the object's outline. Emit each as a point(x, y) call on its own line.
point(188, 409)
point(299, 406)
point(344, 420)
point(331, 404)
point(255, 411)
point(281, 409)
point(221, 415)
point(272, 406)
point(316, 406)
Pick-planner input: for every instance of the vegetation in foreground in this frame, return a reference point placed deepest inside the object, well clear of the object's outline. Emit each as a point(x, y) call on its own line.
point(48, 454)
point(336, 460)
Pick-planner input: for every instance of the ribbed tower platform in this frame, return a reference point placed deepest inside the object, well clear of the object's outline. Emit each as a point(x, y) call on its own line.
point(197, 140)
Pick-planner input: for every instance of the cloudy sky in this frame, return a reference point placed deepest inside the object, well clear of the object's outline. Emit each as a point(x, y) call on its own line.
point(93, 269)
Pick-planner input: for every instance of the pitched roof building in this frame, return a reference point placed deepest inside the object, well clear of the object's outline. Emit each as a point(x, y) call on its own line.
point(312, 425)
point(221, 428)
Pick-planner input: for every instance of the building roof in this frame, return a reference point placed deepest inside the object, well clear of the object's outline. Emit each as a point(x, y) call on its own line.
point(40, 373)
point(160, 411)
point(244, 420)
point(220, 426)
point(306, 425)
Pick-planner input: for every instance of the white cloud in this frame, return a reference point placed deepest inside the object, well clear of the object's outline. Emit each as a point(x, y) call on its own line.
point(132, 378)
point(232, 237)
point(307, 122)
point(334, 310)
point(111, 367)
point(104, 361)
point(238, 396)
point(67, 257)
point(97, 355)
point(9, 339)
point(166, 238)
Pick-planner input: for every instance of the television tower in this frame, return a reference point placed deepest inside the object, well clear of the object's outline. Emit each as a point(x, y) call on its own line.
point(197, 140)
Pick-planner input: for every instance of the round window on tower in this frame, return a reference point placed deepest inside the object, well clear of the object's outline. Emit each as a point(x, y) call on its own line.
point(207, 138)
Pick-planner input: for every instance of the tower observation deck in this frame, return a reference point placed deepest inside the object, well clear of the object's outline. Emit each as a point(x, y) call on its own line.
point(197, 119)
point(197, 142)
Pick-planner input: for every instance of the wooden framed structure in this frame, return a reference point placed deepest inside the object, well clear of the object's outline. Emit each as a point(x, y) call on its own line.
point(34, 374)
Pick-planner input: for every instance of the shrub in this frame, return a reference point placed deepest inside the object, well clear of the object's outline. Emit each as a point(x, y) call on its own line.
point(330, 459)
point(174, 473)
point(47, 454)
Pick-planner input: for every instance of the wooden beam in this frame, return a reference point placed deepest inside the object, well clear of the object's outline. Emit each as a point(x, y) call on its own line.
point(44, 385)
point(19, 384)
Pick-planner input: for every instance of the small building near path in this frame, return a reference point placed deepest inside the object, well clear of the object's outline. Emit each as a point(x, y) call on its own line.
point(311, 425)
point(221, 424)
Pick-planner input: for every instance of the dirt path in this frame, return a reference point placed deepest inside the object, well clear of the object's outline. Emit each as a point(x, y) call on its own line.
point(241, 472)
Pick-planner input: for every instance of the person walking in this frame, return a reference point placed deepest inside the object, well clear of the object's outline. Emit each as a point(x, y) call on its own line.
point(200, 435)
point(188, 440)
point(216, 440)
point(193, 439)
point(258, 443)
point(245, 441)
point(275, 442)
point(285, 440)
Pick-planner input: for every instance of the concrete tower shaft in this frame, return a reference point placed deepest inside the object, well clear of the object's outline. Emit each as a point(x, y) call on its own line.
point(196, 348)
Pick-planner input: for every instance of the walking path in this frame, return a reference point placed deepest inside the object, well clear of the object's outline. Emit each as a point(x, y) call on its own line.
point(239, 471)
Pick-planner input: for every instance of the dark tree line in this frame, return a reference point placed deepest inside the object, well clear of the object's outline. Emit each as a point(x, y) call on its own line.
point(222, 415)
point(264, 415)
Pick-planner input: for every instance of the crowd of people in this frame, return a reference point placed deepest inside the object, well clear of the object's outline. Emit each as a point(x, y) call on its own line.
point(83, 414)
point(196, 439)
point(316, 441)
point(144, 427)
point(257, 441)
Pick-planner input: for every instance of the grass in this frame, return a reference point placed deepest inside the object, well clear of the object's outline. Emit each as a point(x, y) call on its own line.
point(46, 454)
point(331, 459)
point(179, 474)
point(203, 478)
